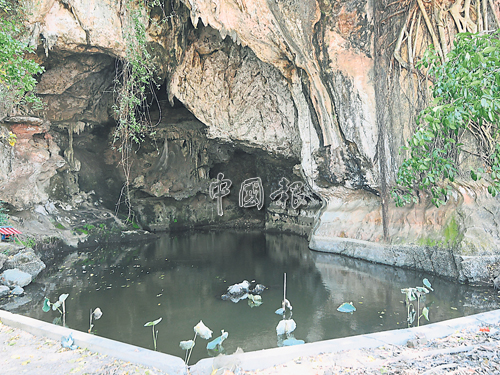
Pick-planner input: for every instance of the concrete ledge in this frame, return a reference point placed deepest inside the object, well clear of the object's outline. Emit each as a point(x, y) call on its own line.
point(262, 359)
point(130, 353)
point(251, 361)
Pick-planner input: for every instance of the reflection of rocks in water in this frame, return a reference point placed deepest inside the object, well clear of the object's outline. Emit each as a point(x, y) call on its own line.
point(286, 248)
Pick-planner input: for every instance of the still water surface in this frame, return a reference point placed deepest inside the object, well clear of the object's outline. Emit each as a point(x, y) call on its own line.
point(181, 276)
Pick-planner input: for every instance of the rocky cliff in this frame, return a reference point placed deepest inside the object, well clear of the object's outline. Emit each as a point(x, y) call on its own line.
point(315, 90)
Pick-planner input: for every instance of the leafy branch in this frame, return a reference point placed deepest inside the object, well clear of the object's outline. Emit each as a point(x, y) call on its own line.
point(17, 82)
point(466, 94)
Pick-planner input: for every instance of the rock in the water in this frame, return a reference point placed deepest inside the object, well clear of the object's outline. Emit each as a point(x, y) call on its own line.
point(26, 261)
point(15, 277)
point(4, 290)
point(17, 291)
point(496, 282)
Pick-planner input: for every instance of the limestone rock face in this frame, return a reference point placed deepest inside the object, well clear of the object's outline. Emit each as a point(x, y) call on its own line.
point(26, 167)
point(86, 25)
point(311, 81)
point(240, 98)
point(76, 91)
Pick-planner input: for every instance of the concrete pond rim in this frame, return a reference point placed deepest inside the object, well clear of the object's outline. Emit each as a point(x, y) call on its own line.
point(249, 361)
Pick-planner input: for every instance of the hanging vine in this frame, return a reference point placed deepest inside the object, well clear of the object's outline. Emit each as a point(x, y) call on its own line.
point(135, 86)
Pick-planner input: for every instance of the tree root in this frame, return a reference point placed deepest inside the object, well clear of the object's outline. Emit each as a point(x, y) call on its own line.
point(428, 22)
point(461, 16)
point(494, 13)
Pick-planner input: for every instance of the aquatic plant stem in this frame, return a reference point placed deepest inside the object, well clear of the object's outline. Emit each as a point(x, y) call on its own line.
point(418, 310)
point(155, 336)
point(64, 313)
point(90, 326)
point(284, 286)
point(408, 312)
point(191, 350)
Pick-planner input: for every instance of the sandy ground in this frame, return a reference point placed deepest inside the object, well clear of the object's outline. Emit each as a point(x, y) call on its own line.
point(474, 350)
point(23, 353)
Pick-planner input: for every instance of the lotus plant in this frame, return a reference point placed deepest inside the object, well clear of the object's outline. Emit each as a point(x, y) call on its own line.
point(412, 294)
point(155, 331)
point(96, 314)
point(285, 327)
point(216, 344)
point(61, 302)
point(199, 330)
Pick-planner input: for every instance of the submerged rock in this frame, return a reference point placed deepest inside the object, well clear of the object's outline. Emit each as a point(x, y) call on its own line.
point(15, 277)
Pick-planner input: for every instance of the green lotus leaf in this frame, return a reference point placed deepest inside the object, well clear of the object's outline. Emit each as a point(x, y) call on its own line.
point(346, 308)
point(46, 305)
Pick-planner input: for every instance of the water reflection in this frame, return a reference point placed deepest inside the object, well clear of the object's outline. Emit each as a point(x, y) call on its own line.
point(181, 277)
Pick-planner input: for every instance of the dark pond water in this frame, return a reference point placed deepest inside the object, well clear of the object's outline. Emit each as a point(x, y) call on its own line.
point(181, 277)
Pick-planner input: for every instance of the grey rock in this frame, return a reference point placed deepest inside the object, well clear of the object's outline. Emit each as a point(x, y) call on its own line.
point(4, 290)
point(3, 258)
point(26, 261)
point(496, 282)
point(17, 291)
point(10, 248)
point(412, 343)
point(51, 208)
point(15, 277)
point(41, 210)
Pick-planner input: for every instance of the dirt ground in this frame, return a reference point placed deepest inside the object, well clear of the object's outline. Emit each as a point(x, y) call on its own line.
point(23, 353)
point(474, 350)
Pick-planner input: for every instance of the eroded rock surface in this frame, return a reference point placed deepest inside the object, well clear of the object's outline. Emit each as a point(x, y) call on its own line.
point(311, 84)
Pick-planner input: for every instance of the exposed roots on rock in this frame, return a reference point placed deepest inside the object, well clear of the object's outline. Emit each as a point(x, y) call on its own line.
point(467, 16)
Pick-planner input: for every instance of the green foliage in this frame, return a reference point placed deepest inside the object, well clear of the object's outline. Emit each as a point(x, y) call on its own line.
point(16, 71)
point(61, 302)
point(92, 229)
point(466, 94)
point(152, 324)
point(27, 242)
point(4, 217)
point(412, 294)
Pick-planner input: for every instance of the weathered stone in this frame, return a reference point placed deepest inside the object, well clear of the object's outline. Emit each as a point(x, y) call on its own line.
point(14, 277)
point(9, 249)
point(496, 283)
point(307, 79)
point(25, 174)
point(254, 103)
point(17, 291)
point(26, 261)
point(413, 343)
point(3, 258)
point(4, 291)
